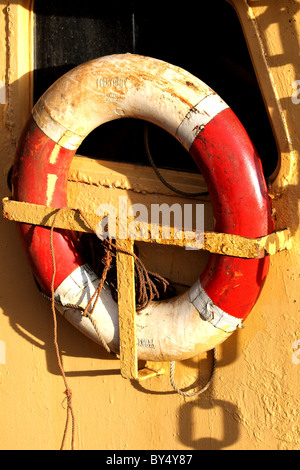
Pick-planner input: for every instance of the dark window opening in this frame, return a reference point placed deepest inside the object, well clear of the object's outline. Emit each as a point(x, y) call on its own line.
point(207, 41)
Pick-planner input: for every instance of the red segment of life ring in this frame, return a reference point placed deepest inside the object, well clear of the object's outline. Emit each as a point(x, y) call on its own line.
point(133, 86)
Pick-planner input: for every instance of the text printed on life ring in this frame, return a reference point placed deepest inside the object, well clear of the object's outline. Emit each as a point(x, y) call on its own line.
point(145, 343)
point(115, 82)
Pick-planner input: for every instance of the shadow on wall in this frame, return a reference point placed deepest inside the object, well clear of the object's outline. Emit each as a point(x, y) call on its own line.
point(193, 412)
point(202, 412)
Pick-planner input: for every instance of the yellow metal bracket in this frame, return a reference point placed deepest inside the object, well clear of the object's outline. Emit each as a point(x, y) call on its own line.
point(219, 243)
point(70, 219)
point(127, 318)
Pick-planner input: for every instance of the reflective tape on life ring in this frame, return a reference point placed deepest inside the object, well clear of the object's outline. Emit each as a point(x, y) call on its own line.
point(132, 86)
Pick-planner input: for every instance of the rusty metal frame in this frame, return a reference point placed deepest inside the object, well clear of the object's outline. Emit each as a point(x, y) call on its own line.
point(71, 219)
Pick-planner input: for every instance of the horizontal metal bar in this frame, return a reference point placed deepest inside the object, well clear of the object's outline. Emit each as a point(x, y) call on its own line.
point(219, 243)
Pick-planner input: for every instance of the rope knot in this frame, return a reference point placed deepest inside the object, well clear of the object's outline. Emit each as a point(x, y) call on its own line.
point(68, 393)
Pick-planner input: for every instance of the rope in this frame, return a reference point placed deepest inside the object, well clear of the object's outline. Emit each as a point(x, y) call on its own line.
point(158, 174)
point(105, 345)
point(68, 391)
point(197, 392)
point(147, 282)
point(107, 264)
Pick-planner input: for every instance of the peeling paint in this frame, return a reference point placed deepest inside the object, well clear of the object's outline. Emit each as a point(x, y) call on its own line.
point(51, 182)
point(2, 93)
point(54, 154)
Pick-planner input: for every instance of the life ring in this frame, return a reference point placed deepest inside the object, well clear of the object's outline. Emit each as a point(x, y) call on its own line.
point(133, 86)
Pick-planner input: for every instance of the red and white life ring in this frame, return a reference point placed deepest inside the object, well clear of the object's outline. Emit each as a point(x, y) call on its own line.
point(133, 86)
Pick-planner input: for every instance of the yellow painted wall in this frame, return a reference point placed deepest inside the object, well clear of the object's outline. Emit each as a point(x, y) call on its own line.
point(253, 402)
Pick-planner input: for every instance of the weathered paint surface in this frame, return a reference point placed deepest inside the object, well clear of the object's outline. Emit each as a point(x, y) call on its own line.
point(254, 401)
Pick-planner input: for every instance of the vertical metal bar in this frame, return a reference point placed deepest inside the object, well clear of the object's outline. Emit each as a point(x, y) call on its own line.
point(127, 312)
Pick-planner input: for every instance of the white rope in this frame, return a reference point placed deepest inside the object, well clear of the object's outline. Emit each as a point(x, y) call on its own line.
point(197, 392)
